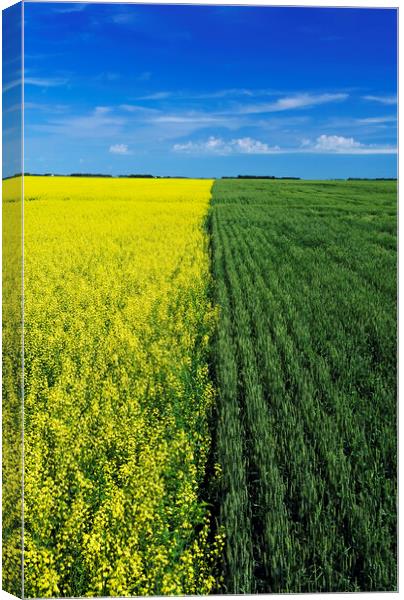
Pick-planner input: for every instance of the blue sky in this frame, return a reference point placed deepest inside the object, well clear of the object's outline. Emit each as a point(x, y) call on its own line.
point(12, 90)
point(210, 91)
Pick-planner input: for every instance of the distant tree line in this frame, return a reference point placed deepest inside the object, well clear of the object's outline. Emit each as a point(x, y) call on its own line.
point(258, 177)
point(372, 179)
point(89, 175)
point(128, 176)
point(140, 176)
point(12, 176)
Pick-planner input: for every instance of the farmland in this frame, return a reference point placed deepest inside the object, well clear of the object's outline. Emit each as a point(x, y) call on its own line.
point(305, 363)
point(209, 386)
point(117, 394)
point(11, 384)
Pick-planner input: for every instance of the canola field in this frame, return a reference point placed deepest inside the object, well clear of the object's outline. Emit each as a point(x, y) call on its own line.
point(118, 322)
point(12, 475)
point(210, 387)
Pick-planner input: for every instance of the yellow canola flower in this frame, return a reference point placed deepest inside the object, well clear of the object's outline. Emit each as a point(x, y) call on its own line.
point(117, 328)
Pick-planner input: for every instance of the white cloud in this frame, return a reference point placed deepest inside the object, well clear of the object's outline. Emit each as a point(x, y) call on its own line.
point(382, 99)
point(335, 143)
point(208, 95)
point(323, 144)
point(250, 146)
point(12, 108)
point(192, 120)
point(102, 110)
point(377, 120)
point(97, 124)
point(216, 145)
point(223, 94)
point(133, 108)
point(119, 149)
point(303, 100)
point(12, 84)
point(36, 81)
point(155, 96)
point(338, 144)
point(219, 94)
point(201, 119)
point(44, 82)
point(46, 108)
point(198, 147)
point(292, 102)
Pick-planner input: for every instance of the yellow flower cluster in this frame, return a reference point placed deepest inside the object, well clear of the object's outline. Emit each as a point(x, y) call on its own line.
point(117, 398)
point(11, 386)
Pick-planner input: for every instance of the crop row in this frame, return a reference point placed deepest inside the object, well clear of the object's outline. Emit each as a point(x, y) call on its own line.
point(306, 375)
